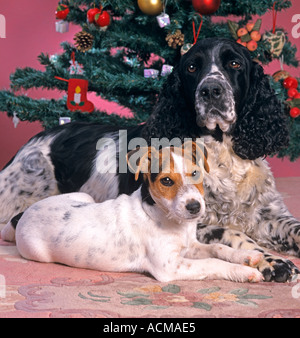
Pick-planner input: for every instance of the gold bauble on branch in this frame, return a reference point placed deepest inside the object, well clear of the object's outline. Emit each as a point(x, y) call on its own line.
point(150, 7)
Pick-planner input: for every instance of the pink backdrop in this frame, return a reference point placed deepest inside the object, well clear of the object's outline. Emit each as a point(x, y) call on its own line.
point(30, 30)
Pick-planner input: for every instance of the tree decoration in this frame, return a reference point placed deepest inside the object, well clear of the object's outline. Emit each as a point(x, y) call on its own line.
point(295, 111)
point(150, 7)
point(247, 36)
point(163, 19)
point(185, 48)
point(118, 77)
point(280, 75)
point(150, 72)
point(291, 85)
point(166, 70)
point(62, 12)
point(206, 7)
point(277, 41)
point(98, 17)
point(276, 38)
point(15, 120)
point(83, 41)
point(175, 39)
point(91, 14)
point(77, 88)
point(102, 19)
point(64, 120)
point(61, 26)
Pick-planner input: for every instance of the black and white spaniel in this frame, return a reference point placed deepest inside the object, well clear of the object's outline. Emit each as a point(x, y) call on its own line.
point(216, 92)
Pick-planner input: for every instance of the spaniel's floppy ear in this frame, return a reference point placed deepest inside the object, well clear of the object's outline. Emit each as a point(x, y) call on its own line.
point(171, 116)
point(261, 127)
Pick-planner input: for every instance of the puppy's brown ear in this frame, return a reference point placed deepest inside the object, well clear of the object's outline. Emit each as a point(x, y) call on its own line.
point(139, 160)
point(199, 152)
point(205, 157)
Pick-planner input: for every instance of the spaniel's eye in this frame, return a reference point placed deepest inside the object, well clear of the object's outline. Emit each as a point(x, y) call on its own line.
point(166, 181)
point(234, 64)
point(192, 68)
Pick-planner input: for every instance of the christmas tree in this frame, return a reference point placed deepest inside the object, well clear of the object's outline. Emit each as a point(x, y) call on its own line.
point(127, 48)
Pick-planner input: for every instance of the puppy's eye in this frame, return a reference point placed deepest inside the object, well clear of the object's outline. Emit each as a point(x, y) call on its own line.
point(166, 181)
point(195, 173)
point(234, 64)
point(192, 68)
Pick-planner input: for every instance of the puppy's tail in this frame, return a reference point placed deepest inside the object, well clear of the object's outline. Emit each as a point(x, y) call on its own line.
point(8, 232)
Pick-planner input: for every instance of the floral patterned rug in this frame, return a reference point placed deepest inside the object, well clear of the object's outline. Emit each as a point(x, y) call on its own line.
point(31, 289)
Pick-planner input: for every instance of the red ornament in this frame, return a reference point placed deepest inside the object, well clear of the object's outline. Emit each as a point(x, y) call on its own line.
point(77, 99)
point(102, 19)
point(206, 7)
point(292, 92)
point(91, 14)
point(77, 95)
point(62, 11)
point(290, 82)
point(295, 112)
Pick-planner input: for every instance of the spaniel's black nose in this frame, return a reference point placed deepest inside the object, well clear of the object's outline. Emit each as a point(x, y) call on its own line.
point(211, 91)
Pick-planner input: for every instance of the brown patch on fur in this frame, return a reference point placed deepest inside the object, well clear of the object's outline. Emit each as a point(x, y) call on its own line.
point(159, 190)
point(164, 164)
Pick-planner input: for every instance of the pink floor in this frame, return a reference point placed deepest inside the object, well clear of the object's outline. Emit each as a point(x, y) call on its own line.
point(31, 289)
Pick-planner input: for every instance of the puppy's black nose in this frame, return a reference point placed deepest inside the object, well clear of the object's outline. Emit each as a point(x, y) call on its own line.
point(193, 207)
point(211, 91)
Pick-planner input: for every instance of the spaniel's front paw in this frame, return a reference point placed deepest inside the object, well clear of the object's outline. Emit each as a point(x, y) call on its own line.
point(277, 269)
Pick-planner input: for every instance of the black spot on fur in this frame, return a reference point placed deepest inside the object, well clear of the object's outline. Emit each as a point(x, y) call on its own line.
point(201, 226)
point(67, 216)
point(26, 193)
point(153, 176)
point(80, 205)
point(74, 150)
point(146, 197)
point(214, 234)
point(14, 221)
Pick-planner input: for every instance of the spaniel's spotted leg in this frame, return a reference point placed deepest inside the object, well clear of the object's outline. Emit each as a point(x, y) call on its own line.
point(279, 230)
point(272, 267)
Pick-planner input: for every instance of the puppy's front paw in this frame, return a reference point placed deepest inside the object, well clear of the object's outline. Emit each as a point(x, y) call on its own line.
point(253, 258)
point(246, 274)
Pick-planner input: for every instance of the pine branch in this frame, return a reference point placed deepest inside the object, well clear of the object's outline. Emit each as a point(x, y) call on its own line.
point(49, 111)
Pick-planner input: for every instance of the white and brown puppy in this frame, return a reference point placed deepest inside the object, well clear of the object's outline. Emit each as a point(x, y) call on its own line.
point(152, 230)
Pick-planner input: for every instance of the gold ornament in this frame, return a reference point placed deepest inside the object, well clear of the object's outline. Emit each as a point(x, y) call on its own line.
point(176, 39)
point(83, 41)
point(150, 7)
